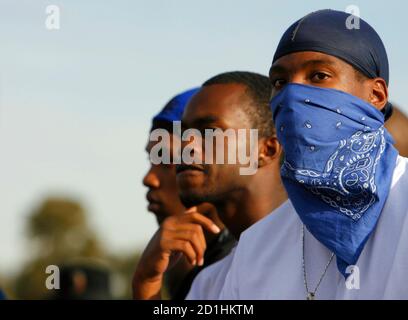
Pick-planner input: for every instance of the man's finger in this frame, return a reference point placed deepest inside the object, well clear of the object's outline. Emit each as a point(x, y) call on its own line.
point(186, 248)
point(191, 210)
point(205, 222)
point(196, 240)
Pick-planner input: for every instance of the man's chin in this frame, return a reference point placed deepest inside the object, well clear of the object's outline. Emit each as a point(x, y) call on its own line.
point(160, 217)
point(159, 220)
point(191, 198)
point(156, 209)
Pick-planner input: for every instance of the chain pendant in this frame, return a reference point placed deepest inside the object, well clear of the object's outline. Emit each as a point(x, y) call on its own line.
point(310, 296)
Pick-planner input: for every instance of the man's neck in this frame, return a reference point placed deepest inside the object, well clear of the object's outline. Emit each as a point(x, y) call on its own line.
point(242, 208)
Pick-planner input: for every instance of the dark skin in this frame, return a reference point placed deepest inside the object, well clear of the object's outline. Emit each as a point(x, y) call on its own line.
point(397, 125)
point(163, 196)
point(162, 192)
point(180, 231)
point(322, 70)
point(240, 200)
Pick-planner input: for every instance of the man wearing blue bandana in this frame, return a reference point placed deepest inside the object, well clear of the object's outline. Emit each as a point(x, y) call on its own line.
point(344, 232)
point(157, 266)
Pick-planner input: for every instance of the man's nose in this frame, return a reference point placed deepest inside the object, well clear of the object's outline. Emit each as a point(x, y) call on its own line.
point(297, 78)
point(151, 180)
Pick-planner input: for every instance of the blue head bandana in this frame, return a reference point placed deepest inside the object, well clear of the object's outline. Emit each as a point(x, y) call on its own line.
point(339, 161)
point(173, 110)
point(326, 31)
point(2, 295)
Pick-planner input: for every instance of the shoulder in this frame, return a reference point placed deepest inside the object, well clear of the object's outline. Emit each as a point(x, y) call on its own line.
point(397, 197)
point(400, 172)
point(272, 225)
point(208, 283)
point(256, 247)
point(394, 215)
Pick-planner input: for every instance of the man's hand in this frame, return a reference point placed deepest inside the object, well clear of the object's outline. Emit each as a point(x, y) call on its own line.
point(177, 234)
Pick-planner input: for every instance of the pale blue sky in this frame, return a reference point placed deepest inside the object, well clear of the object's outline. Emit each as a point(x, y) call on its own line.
point(76, 104)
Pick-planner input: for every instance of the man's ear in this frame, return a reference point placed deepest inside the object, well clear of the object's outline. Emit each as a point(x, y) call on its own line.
point(270, 150)
point(379, 93)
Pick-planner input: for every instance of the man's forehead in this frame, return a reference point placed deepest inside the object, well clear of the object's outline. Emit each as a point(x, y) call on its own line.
point(214, 102)
point(304, 59)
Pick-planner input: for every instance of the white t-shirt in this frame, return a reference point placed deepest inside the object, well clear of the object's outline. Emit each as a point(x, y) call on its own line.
point(267, 263)
point(208, 283)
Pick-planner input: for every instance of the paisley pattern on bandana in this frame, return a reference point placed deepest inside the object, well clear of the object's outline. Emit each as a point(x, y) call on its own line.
point(348, 181)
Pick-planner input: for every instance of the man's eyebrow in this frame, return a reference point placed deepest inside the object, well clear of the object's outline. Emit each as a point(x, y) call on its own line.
point(281, 69)
point(200, 122)
point(276, 69)
point(318, 61)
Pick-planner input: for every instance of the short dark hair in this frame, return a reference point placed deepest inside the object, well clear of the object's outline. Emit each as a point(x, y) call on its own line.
point(259, 90)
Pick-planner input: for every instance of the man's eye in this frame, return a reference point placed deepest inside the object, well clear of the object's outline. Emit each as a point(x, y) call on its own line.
point(320, 76)
point(279, 83)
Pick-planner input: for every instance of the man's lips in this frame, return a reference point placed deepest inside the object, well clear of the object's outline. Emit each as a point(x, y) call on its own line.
point(188, 167)
point(154, 204)
point(151, 198)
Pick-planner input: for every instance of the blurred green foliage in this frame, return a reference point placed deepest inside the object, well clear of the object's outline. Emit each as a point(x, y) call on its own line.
point(58, 233)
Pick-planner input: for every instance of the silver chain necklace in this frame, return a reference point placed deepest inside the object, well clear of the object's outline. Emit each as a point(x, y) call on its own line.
point(311, 294)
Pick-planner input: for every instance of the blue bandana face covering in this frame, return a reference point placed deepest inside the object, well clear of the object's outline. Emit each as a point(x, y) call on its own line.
point(339, 162)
